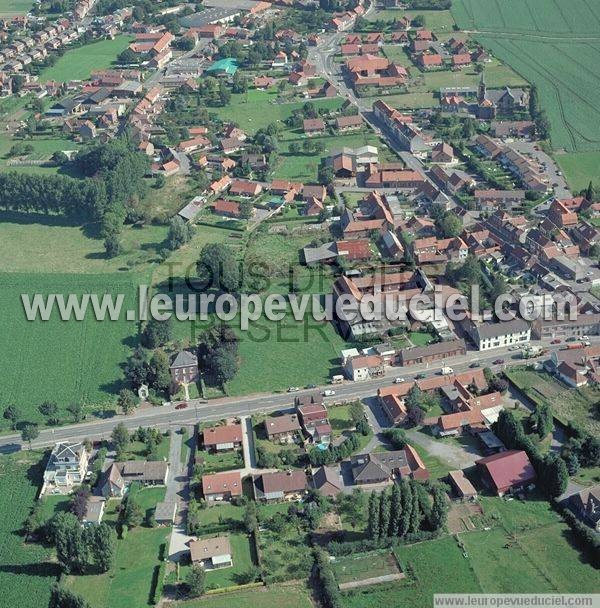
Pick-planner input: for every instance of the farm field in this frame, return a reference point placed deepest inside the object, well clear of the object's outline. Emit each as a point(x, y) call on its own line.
point(129, 582)
point(26, 571)
point(580, 168)
point(369, 565)
point(290, 596)
point(555, 49)
point(567, 404)
point(80, 62)
point(78, 361)
point(437, 21)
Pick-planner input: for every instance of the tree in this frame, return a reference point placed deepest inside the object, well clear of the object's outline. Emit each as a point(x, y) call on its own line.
point(295, 148)
point(589, 193)
point(439, 509)
point(415, 516)
point(136, 368)
point(542, 420)
point(572, 463)
point(246, 210)
point(415, 414)
point(450, 225)
point(120, 437)
point(406, 508)
point(127, 400)
point(13, 414)
point(159, 375)
point(353, 507)
point(76, 411)
point(61, 597)
point(30, 432)
point(195, 581)
point(384, 513)
point(50, 410)
point(132, 515)
point(395, 510)
point(397, 437)
point(102, 539)
point(34, 520)
point(224, 366)
point(218, 268)
point(373, 522)
point(251, 517)
point(72, 552)
point(590, 451)
point(157, 333)
point(555, 476)
point(112, 245)
point(179, 234)
point(128, 57)
point(79, 501)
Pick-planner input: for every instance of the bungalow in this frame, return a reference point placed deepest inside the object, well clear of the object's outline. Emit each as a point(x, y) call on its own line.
point(211, 553)
point(506, 471)
point(220, 487)
point(245, 189)
point(313, 126)
point(221, 438)
point(317, 191)
point(282, 428)
point(121, 474)
point(377, 468)
point(454, 424)
point(191, 145)
point(349, 123)
point(280, 485)
point(327, 481)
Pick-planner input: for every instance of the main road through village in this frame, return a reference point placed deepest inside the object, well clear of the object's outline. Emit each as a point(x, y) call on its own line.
point(197, 410)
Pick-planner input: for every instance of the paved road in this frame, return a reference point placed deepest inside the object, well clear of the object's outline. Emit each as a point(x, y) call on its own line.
point(166, 416)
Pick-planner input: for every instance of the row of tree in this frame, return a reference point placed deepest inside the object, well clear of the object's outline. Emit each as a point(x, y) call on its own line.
point(406, 509)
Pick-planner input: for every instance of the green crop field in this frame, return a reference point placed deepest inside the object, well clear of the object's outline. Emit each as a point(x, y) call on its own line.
point(80, 62)
point(26, 571)
point(74, 361)
point(580, 168)
point(554, 46)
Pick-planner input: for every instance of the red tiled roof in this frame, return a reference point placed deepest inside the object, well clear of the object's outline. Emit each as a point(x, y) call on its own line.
point(231, 433)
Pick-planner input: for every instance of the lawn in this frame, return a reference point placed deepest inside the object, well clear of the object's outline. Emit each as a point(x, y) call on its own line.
point(555, 49)
point(74, 361)
point(566, 403)
point(26, 571)
point(10, 8)
point(244, 558)
point(257, 109)
point(129, 582)
point(339, 417)
point(46, 244)
point(361, 567)
point(437, 21)
point(580, 168)
point(290, 596)
point(137, 450)
point(225, 461)
point(421, 338)
point(80, 62)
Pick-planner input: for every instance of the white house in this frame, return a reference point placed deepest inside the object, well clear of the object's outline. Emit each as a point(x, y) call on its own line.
point(66, 467)
point(488, 336)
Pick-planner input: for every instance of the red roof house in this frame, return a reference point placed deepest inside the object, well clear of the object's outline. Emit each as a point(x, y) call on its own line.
point(506, 471)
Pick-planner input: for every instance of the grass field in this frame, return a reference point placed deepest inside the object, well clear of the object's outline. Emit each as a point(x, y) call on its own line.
point(215, 463)
point(79, 63)
point(9, 8)
point(566, 403)
point(129, 581)
point(525, 549)
point(556, 49)
point(65, 361)
point(290, 596)
point(580, 168)
point(359, 568)
point(26, 572)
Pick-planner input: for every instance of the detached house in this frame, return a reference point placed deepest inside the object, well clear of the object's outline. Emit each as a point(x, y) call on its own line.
point(221, 438)
point(586, 505)
point(121, 474)
point(184, 369)
point(221, 487)
point(506, 471)
point(66, 467)
point(282, 428)
point(281, 485)
point(211, 553)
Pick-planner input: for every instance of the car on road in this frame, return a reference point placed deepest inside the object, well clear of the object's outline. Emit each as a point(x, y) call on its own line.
point(474, 364)
point(556, 341)
point(399, 380)
point(181, 406)
point(311, 386)
point(498, 361)
point(293, 389)
point(571, 339)
point(328, 393)
point(420, 376)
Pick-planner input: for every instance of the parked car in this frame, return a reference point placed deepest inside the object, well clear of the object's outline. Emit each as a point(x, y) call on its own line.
point(498, 361)
point(181, 406)
point(474, 365)
point(398, 380)
point(556, 341)
point(328, 393)
point(420, 376)
point(311, 386)
point(293, 389)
